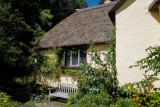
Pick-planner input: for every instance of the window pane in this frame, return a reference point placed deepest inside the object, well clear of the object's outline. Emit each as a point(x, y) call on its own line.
point(83, 55)
point(67, 59)
point(74, 57)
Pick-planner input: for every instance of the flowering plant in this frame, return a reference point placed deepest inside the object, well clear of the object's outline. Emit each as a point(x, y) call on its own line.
point(103, 77)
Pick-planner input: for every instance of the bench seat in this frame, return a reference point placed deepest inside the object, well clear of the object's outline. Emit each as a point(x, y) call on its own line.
point(62, 90)
point(61, 95)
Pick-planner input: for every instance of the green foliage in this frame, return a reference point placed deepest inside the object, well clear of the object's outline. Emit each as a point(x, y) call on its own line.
point(103, 77)
point(153, 99)
point(45, 17)
point(72, 72)
point(4, 97)
point(150, 99)
point(11, 23)
point(52, 65)
point(44, 90)
point(149, 64)
point(98, 86)
point(124, 103)
point(91, 100)
point(71, 100)
point(101, 2)
point(82, 4)
point(22, 24)
point(51, 62)
point(5, 101)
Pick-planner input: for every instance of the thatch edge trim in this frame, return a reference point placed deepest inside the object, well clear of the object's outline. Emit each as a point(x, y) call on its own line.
point(154, 4)
point(118, 4)
point(95, 7)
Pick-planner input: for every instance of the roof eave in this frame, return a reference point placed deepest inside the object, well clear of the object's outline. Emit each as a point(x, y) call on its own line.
point(47, 47)
point(117, 5)
point(154, 5)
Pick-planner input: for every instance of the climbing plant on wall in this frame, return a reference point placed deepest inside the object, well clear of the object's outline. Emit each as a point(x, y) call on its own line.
point(149, 64)
point(53, 62)
point(103, 77)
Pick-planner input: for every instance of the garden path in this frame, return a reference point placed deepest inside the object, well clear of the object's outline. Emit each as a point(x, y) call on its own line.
point(50, 104)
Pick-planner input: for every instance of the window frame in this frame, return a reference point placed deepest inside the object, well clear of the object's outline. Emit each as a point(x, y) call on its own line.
point(69, 62)
point(71, 65)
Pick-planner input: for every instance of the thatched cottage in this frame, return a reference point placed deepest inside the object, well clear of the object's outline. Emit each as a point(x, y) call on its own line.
point(81, 28)
point(137, 25)
point(137, 28)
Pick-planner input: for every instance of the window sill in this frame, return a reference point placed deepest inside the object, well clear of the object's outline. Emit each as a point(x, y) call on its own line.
point(67, 67)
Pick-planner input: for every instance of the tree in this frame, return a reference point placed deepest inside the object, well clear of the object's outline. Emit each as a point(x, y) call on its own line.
point(101, 2)
point(82, 4)
point(12, 47)
point(17, 34)
point(23, 23)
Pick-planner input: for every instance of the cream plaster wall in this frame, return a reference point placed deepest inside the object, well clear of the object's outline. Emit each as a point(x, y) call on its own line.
point(49, 81)
point(101, 48)
point(136, 30)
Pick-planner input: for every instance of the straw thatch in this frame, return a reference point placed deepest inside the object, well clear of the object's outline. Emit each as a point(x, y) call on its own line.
point(82, 27)
point(154, 5)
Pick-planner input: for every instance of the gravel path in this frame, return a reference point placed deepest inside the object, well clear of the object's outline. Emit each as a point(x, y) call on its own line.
point(50, 104)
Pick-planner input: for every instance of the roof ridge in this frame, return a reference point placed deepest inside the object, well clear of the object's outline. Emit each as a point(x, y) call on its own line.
point(95, 7)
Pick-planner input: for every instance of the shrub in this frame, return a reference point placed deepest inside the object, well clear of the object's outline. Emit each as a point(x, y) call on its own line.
point(102, 77)
point(44, 90)
point(151, 99)
point(125, 103)
point(91, 100)
point(5, 101)
point(4, 98)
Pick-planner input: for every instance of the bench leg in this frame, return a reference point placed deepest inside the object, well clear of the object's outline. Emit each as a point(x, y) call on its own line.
point(49, 98)
point(49, 95)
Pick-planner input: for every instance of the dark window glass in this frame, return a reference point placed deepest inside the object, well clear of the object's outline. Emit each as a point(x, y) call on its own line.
point(75, 58)
point(67, 59)
point(72, 58)
point(83, 56)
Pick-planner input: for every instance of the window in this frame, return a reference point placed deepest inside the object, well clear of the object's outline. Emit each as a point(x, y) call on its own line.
point(74, 58)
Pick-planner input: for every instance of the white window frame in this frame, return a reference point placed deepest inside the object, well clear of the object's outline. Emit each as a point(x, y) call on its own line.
point(70, 65)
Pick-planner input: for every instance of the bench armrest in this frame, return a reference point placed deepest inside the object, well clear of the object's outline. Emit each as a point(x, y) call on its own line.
point(51, 89)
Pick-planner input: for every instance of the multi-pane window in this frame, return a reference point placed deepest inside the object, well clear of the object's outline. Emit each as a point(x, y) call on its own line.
point(74, 58)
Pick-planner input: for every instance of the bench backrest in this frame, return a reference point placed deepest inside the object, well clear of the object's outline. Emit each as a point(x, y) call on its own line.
point(66, 88)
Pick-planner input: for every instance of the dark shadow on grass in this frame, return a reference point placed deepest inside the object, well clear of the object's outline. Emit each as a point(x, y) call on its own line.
point(19, 92)
point(60, 100)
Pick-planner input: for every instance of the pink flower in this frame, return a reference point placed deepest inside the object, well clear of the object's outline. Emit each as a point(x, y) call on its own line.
point(117, 82)
point(113, 93)
point(111, 69)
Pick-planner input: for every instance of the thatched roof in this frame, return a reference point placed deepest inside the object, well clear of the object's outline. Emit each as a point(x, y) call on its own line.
point(82, 27)
point(154, 5)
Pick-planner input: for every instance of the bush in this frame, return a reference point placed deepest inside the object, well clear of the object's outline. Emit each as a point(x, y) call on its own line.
point(125, 103)
point(5, 101)
point(151, 99)
point(103, 76)
point(91, 100)
point(4, 98)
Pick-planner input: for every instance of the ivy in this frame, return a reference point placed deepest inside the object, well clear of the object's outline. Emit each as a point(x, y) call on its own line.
point(52, 63)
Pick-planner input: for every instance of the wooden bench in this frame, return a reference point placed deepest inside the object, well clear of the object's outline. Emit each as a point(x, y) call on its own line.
point(62, 90)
